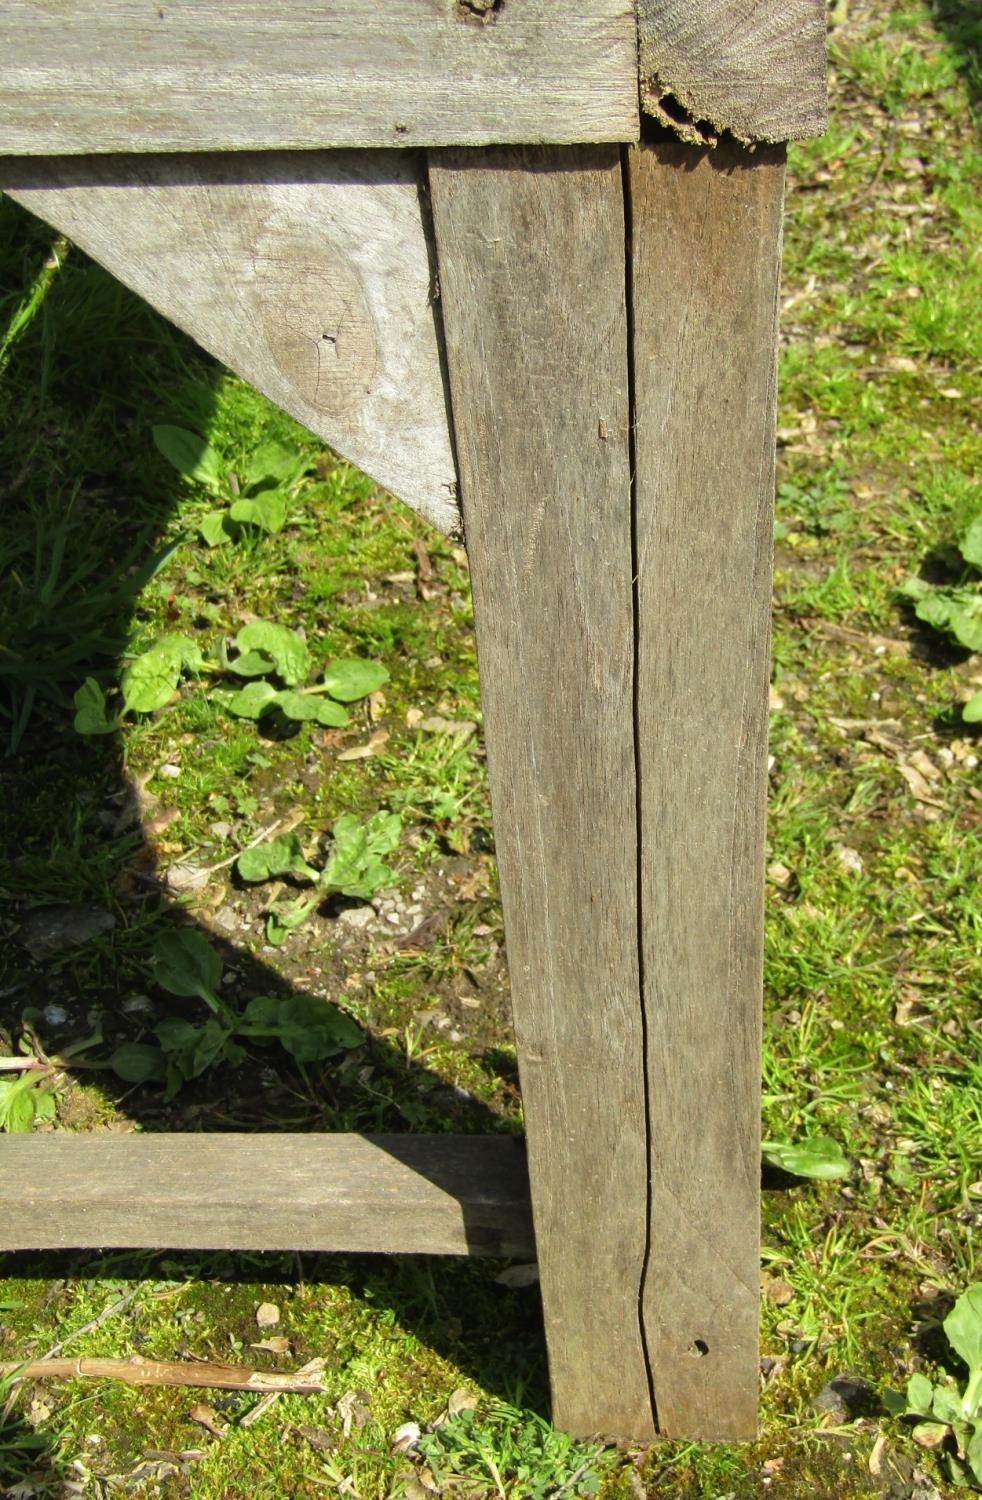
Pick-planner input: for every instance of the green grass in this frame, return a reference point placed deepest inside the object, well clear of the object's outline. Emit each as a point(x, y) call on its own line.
point(873, 928)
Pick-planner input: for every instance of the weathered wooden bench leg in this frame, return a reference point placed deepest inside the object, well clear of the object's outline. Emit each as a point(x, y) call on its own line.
point(531, 254)
point(616, 461)
point(705, 236)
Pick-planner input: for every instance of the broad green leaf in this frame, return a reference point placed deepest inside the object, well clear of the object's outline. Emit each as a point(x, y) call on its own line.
point(185, 963)
point(373, 876)
point(348, 853)
point(262, 1011)
point(189, 454)
point(233, 1054)
point(173, 1034)
point(252, 664)
point(150, 681)
point(267, 511)
point(286, 648)
point(970, 545)
point(309, 708)
point(963, 1325)
point(966, 621)
point(16, 1105)
point(137, 1062)
point(973, 1453)
point(250, 702)
point(312, 1029)
point(301, 706)
point(962, 1431)
point(280, 462)
point(44, 1104)
point(332, 714)
point(280, 856)
point(354, 867)
point(277, 932)
point(958, 611)
point(819, 1157)
point(946, 1405)
point(209, 1048)
point(920, 1394)
point(958, 1472)
point(17, 1111)
point(972, 712)
point(935, 608)
point(182, 649)
point(214, 528)
point(90, 710)
point(354, 679)
point(895, 1403)
point(384, 830)
point(282, 920)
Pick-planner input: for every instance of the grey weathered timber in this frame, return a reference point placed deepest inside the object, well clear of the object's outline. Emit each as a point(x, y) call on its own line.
point(706, 237)
point(426, 1195)
point(309, 274)
point(756, 68)
point(531, 255)
point(166, 75)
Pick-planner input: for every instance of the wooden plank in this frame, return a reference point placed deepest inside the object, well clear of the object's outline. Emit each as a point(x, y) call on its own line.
point(425, 1195)
point(309, 274)
point(531, 257)
point(215, 75)
point(706, 235)
point(753, 67)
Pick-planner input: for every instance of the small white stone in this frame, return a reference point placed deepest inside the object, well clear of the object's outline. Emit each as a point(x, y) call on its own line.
point(356, 917)
point(135, 1005)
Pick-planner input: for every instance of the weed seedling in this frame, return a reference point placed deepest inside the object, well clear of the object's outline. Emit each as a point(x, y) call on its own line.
point(186, 964)
point(275, 660)
point(949, 1415)
point(818, 1157)
point(355, 868)
point(956, 610)
point(258, 492)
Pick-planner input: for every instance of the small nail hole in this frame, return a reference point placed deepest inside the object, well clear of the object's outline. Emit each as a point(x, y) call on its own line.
point(698, 1348)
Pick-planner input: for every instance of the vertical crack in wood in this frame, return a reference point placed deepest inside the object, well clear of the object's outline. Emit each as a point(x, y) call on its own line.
point(436, 303)
point(636, 647)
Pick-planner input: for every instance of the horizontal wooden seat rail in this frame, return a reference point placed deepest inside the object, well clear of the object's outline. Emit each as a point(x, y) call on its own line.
point(412, 1194)
point(88, 76)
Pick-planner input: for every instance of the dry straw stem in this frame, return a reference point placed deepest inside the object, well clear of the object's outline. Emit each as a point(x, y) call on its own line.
point(137, 1371)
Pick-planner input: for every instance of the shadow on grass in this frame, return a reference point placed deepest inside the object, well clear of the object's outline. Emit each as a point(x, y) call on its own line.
point(29, 1464)
point(960, 23)
point(84, 371)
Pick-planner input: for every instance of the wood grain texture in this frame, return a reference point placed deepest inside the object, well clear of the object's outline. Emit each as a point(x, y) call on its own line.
point(215, 75)
point(426, 1195)
point(756, 68)
point(706, 242)
point(531, 254)
point(309, 274)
